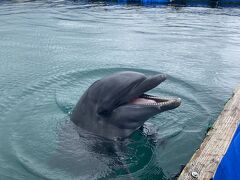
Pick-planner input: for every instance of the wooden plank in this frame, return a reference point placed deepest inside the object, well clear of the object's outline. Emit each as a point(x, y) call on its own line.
point(205, 160)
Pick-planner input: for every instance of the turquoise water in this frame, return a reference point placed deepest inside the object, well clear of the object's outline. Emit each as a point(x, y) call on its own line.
point(50, 52)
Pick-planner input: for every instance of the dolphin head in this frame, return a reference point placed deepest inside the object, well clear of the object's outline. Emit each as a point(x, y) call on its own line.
point(116, 105)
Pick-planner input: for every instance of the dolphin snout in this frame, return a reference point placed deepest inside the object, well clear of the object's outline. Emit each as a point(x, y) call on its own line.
point(150, 83)
point(170, 104)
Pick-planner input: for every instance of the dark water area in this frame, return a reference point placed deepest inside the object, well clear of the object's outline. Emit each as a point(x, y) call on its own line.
point(51, 51)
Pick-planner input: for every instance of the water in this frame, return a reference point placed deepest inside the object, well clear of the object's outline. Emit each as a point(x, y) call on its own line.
point(50, 52)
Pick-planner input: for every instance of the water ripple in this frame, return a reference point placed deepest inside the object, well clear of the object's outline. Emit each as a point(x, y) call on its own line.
point(62, 91)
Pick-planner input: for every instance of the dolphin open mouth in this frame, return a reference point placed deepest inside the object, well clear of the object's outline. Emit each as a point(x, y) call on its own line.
point(144, 99)
point(149, 100)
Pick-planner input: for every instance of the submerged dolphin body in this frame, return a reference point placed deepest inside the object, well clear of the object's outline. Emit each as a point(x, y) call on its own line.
point(117, 105)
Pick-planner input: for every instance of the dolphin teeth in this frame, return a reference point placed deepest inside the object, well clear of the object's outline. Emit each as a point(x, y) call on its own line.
point(163, 100)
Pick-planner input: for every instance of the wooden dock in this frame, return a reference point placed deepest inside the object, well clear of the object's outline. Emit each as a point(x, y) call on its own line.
point(205, 160)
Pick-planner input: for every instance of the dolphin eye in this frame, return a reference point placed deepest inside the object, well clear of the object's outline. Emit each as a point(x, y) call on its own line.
point(103, 112)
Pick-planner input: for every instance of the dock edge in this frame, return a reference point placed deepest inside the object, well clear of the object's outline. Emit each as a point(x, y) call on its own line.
point(205, 160)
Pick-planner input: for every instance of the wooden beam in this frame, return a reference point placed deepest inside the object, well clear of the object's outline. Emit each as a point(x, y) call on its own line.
point(205, 160)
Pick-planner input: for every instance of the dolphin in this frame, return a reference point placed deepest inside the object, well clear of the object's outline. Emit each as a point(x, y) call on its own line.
point(117, 105)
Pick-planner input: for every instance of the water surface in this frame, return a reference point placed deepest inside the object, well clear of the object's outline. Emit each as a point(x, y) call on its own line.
point(50, 52)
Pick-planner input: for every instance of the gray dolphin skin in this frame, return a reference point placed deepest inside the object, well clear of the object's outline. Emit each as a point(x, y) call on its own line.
point(117, 105)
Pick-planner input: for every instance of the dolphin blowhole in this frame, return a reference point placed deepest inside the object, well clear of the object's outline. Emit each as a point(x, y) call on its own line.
point(117, 105)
